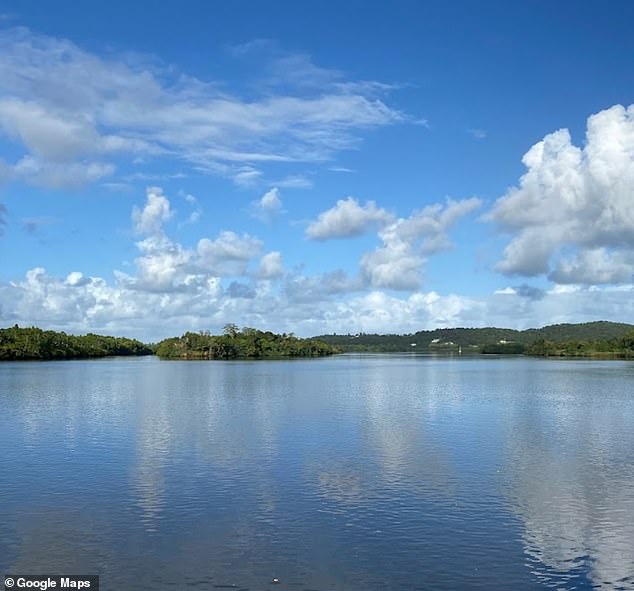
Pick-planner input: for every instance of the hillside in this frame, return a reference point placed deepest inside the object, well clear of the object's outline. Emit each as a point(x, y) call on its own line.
point(477, 338)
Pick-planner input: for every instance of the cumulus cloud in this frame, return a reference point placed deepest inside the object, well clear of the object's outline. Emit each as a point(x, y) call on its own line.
point(229, 254)
point(80, 303)
point(240, 290)
point(172, 288)
point(165, 266)
point(271, 266)
point(347, 219)
point(157, 210)
point(594, 266)
point(77, 279)
point(529, 291)
point(574, 199)
point(268, 206)
point(67, 107)
point(319, 288)
point(407, 242)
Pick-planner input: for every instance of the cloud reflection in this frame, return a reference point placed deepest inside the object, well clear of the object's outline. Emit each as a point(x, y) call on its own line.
point(570, 469)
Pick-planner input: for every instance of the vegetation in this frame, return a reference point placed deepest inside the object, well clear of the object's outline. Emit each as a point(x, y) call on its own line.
point(503, 349)
point(245, 343)
point(622, 347)
point(485, 340)
point(593, 339)
point(34, 343)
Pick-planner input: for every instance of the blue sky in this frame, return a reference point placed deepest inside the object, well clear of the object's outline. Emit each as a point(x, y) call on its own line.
point(315, 167)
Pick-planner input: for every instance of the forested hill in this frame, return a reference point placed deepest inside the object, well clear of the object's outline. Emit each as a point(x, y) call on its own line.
point(477, 338)
point(245, 343)
point(34, 343)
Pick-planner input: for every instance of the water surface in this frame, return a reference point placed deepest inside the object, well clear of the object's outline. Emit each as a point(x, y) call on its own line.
point(348, 473)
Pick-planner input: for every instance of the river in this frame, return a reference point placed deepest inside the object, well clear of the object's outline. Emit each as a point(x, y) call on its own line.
point(351, 473)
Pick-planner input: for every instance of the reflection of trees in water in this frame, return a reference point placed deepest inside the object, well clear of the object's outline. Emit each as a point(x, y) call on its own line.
point(570, 467)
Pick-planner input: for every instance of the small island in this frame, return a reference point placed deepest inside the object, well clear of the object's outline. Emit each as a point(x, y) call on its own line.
point(248, 343)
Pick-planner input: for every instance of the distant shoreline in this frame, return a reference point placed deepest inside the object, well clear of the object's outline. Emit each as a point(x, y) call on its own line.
point(592, 340)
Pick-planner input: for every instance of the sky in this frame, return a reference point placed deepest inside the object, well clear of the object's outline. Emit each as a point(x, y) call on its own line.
point(315, 167)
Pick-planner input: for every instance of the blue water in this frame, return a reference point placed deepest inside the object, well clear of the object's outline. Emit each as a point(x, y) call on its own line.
point(357, 472)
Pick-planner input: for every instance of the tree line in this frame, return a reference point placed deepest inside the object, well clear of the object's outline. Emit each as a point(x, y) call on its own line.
point(617, 347)
point(485, 340)
point(245, 343)
point(34, 343)
point(593, 339)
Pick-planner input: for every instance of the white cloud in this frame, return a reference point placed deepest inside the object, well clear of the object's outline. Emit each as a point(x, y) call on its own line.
point(173, 288)
point(393, 266)
point(271, 266)
point(66, 105)
point(397, 263)
point(297, 181)
point(319, 288)
point(163, 265)
point(77, 279)
point(56, 175)
point(194, 216)
point(229, 254)
point(347, 219)
point(247, 177)
point(271, 200)
point(80, 303)
point(594, 266)
point(149, 220)
point(577, 199)
point(268, 206)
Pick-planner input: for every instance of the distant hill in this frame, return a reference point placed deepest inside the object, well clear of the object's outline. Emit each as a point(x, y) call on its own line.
point(477, 338)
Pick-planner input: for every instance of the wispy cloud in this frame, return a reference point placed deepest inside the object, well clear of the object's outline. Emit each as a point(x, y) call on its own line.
point(478, 134)
point(74, 113)
point(295, 181)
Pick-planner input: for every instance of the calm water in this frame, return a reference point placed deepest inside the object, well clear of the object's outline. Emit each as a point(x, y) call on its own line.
point(350, 473)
